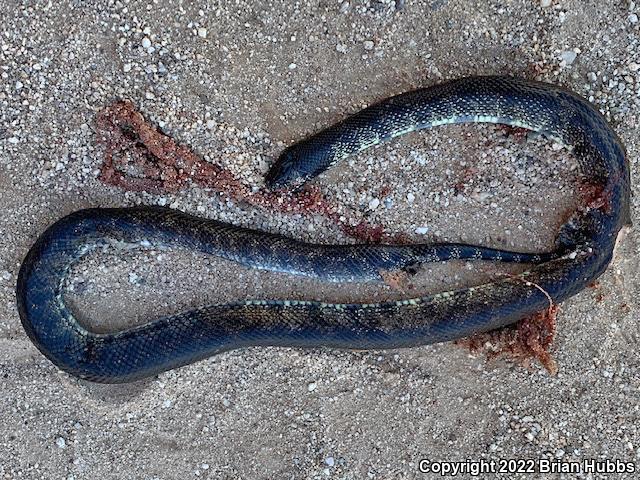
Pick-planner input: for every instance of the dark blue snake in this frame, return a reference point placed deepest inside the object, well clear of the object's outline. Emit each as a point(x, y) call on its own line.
point(585, 245)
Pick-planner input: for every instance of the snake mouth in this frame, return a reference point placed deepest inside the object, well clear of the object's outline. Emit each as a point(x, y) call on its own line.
point(276, 183)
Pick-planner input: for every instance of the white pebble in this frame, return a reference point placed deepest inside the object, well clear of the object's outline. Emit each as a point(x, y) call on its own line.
point(292, 66)
point(568, 56)
point(312, 386)
point(634, 67)
point(341, 47)
point(60, 442)
point(421, 230)
point(633, 18)
point(545, 3)
point(146, 43)
point(149, 95)
point(202, 32)
point(330, 461)
point(211, 124)
point(410, 197)
point(368, 45)
point(126, 67)
point(374, 203)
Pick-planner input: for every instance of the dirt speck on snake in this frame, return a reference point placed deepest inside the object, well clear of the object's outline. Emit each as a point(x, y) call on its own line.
point(236, 82)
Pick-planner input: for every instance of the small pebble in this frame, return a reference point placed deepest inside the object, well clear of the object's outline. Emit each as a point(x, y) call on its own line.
point(202, 32)
point(146, 43)
point(60, 442)
point(545, 3)
point(312, 386)
point(126, 67)
point(368, 45)
point(374, 203)
point(633, 18)
point(421, 230)
point(330, 461)
point(568, 56)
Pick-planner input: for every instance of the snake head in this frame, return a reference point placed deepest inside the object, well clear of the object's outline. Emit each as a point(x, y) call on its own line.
point(285, 171)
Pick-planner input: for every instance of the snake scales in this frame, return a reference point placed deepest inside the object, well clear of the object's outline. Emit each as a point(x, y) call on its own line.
point(585, 246)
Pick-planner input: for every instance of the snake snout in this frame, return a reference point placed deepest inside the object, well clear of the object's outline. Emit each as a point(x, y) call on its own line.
point(284, 171)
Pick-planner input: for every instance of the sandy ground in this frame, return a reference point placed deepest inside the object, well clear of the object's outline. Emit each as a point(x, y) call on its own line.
point(236, 82)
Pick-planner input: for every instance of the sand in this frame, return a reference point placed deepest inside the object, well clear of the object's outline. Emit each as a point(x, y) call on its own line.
point(236, 82)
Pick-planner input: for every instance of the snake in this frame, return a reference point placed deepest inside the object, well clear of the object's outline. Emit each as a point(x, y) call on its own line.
point(583, 249)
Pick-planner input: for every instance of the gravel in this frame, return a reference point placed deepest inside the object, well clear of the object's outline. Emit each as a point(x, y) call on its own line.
point(237, 82)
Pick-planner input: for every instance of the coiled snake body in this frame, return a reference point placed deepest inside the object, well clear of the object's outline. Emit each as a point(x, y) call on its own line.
point(584, 248)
